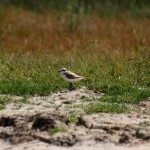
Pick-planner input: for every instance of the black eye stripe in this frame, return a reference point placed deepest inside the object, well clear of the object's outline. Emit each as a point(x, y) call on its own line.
point(63, 70)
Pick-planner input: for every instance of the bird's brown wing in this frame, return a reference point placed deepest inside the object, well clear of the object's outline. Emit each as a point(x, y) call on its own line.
point(72, 75)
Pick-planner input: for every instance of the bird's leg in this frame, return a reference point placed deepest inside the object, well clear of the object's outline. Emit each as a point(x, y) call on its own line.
point(70, 86)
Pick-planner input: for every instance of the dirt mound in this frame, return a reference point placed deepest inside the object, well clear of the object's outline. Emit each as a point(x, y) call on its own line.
point(48, 121)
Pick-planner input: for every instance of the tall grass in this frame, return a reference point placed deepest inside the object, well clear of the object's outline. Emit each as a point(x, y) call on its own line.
point(57, 34)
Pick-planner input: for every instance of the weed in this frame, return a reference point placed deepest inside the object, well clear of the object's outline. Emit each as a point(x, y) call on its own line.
point(122, 95)
point(95, 108)
point(72, 118)
point(128, 95)
point(56, 130)
point(24, 100)
point(8, 99)
point(2, 107)
point(88, 99)
point(113, 108)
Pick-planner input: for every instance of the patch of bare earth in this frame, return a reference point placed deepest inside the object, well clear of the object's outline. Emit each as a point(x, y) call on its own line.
point(25, 126)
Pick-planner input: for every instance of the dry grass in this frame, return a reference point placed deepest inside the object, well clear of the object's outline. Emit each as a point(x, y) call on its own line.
point(50, 33)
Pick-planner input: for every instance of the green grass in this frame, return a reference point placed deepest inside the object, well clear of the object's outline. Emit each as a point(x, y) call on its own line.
point(122, 95)
point(127, 97)
point(8, 99)
point(73, 118)
point(2, 107)
point(56, 130)
point(118, 78)
point(113, 108)
point(23, 75)
point(107, 108)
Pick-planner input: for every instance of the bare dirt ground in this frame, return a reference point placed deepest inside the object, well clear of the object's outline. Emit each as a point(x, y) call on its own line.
point(25, 126)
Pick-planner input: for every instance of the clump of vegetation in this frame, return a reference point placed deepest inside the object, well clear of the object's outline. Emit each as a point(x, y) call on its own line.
point(117, 94)
point(2, 107)
point(112, 108)
point(73, 118)
point(8, 99)
point(56, 130)
point(98, 107)
point(132, 97)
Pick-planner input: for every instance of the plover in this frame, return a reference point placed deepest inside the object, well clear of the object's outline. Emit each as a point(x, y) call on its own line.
point(70, 77)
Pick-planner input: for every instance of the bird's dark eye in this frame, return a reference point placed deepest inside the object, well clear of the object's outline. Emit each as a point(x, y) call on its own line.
point(63, 70)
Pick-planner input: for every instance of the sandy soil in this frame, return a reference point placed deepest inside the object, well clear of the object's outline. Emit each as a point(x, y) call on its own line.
point(25, 126)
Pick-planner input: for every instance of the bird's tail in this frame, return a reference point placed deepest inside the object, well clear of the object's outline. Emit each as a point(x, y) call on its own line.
point(83, 78)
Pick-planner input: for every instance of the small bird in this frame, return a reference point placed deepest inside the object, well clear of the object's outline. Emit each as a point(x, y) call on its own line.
point(70, 77)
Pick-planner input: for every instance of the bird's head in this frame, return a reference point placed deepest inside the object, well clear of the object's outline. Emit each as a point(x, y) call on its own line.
point(62, 70)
